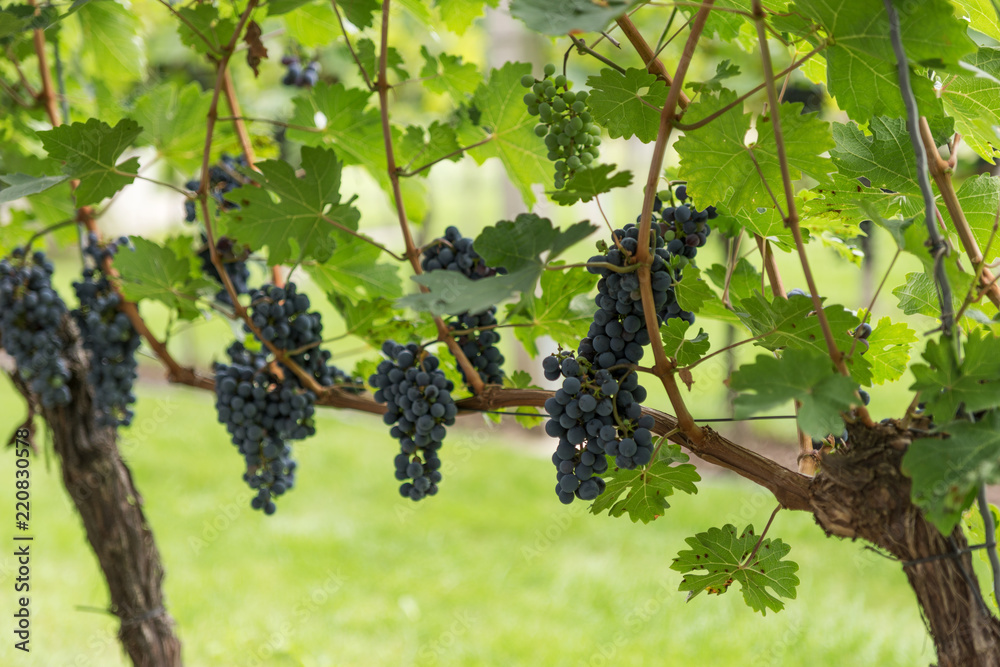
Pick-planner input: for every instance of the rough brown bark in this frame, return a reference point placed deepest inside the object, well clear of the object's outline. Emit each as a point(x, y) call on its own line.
point(861, 493)
point(102, 489)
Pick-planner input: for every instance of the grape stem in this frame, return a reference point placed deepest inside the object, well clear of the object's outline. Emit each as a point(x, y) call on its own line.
point(190, 26)
point(85, 216)
point(472, 377)
point(582, 46)
point(653, 64)
point(308, 381)
point(246, 145)
point(742, 98)
point(871, 304)
point(630, 268)
point(663, 366)
point(406, 173)
point(941, 171)
point(760, 540)
point(343, 30)
point(792, 217)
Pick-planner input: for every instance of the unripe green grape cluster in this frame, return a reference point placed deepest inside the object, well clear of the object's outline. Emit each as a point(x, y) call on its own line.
point(566, 123)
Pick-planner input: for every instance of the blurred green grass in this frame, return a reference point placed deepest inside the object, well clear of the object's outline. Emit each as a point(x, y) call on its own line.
point(492, 571)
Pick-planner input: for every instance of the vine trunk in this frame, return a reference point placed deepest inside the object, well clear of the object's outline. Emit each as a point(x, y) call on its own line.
point(101, 486)
point(861, 492)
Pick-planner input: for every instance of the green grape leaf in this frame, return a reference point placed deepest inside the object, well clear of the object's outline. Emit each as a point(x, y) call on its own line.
point(201, 28)
point(510, 129)
point(646, 489)
point(558, 17)
point(787, 323)
point(724, 70)
point(975, 530)
point(314, 25)
point(861, 65)
point(114, 50)
point(342, 120)
point(692, 292)
point(377, 321)
point(447, 75)
point(898, 228)
point(360, 12)
point(156, 272)
point(979, 198)
point(765, 221)
point(889, 350)
point(416, 150)
point(279, 7)
point(521, 243)
point(885, 157)
point(368, 55)
point(172, 116)
point(849, 201)
point(452, 293)
point(716, 560)
point(743, 284)
point(984, 16)
point(18, 230)
point(458, 15)
point(800, 375)
point(21, 185)
point(90, 151)
point(354, 272)
point(726, 24)
point(290, 215)
point(677, 345)
point(563, 311)
point(918, 295)
point(587, 184)
point(627, 105)
point(15, 19)
point(971, 97)
point(719, 167)
point(946, 384)
point(947, 473)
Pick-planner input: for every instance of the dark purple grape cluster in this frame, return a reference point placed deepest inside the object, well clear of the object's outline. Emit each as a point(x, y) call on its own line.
point(223, 178)
point(683, 227)
point(419, 406)
point(454, 252)
point(263, 413)
point(618, 333)
point(480, 346)
point(31, 314)
point(297, 75)
point(108, 336)
point(282, 316)
point(595, 414)
point(233, 256)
